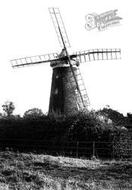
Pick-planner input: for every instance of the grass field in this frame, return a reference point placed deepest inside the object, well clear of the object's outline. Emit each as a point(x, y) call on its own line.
point(23, 171)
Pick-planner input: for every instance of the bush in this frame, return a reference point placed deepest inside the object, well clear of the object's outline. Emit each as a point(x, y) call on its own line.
point(48, 134)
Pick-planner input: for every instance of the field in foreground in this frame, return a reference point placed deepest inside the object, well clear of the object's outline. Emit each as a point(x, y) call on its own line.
point(22, 171)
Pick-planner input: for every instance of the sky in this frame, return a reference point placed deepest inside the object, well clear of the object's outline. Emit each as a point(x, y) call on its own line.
point(26, 29)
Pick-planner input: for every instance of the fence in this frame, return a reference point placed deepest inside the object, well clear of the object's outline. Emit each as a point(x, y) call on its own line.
point(71, 148)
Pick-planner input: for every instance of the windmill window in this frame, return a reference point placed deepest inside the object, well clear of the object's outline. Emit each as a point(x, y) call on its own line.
point(56, 91)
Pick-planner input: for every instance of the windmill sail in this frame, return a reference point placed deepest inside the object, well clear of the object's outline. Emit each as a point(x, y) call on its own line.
point(59, 26)
point(83, 100)
point(96, 54)
point(34, 60)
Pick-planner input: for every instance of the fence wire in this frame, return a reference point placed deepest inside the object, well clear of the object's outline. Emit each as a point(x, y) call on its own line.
point(78, 149)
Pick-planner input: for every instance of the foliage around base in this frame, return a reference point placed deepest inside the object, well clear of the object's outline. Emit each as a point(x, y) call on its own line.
point(32, 133)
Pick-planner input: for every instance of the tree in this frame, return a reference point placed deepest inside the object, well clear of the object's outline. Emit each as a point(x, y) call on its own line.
point(116, 117)
point(85, 126)
point(33, 113)
point(0, 115)
point(8, 108)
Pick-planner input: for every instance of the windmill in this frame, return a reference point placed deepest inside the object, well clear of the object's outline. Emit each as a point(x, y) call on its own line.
point(68, 92)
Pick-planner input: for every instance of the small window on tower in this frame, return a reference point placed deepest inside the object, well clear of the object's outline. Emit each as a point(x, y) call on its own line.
point(56, 91)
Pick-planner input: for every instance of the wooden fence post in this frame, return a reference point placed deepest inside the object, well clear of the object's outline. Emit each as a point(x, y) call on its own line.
point(112, 150)
point(77, 149)
point(93, 148)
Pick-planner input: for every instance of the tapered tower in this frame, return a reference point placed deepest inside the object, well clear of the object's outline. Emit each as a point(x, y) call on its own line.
point(63, 96)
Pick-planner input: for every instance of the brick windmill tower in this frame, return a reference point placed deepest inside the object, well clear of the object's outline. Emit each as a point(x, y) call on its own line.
point(68, 93)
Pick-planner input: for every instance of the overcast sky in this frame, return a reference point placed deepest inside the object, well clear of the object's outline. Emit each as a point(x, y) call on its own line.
point(26, 29)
